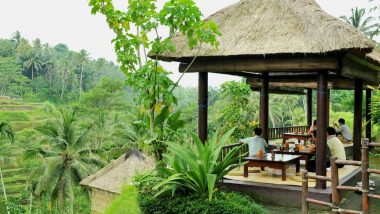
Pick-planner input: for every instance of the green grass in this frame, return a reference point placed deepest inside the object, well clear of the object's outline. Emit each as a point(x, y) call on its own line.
point(14, 116)
point(126, 203)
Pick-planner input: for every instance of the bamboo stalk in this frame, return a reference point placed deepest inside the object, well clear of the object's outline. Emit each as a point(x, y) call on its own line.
point(318, 202)
point(348, 162)
point(347, 211)
point(365, 175)
point(4, 192)
point(375, 144)
point(348, 188)
point(374, 196)
point(335, 199)
point(319, 177)
point(305, 207)
point(376, 171)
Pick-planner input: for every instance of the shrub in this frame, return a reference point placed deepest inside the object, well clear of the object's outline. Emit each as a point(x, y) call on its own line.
point(198, 167)
point(126, 203)
point(222, 203)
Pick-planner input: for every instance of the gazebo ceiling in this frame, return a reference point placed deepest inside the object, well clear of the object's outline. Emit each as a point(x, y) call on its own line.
point(272, 27)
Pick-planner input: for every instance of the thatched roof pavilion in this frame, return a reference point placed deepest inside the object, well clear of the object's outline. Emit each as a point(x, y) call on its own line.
point(279, 44)
point(108, 182)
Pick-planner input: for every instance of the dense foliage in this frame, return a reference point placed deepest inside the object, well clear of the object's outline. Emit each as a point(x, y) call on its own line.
point(196, 167)
point(37, 71)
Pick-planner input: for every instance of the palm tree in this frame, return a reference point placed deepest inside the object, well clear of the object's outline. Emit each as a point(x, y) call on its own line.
point(17, 38)
point(6, 131)
point(33, 63)
point(64, 67)
point(364, 24)
point(68, 159)
point(83, 58)
point(100, 63)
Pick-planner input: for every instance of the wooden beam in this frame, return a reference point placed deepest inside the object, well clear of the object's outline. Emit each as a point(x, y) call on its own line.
point(307, 84)
point(264, 106)
point(368, 127)
point(242, 74)
point(309, 103)
point(358, 99)
point(263, 65)
point(357, 71)
point(288, 91)
point(322, 128)
point(202, 105)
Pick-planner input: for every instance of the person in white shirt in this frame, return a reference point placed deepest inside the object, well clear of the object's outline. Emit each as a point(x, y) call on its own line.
point(255, 143)
point(343, 130)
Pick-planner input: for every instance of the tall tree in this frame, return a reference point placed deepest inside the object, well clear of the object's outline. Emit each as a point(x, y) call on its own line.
point(100, 63)
point(363, 22)
point(33, 63)
point(84, 57)
point(64, 69)
point(145, 75)
point(69, 159)
point(16, 37)
point(6, 131)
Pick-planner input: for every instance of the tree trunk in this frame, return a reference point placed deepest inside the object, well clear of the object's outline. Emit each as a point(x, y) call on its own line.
point(80, 82)
point(31, 201)
point(4, 192)
point(32, 74)
point(63, 84)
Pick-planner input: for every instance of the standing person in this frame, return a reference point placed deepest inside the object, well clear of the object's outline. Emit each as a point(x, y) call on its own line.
point(343, 129)
point(255, 143)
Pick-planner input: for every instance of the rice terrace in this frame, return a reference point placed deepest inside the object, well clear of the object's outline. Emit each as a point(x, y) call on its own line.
point(189, 106)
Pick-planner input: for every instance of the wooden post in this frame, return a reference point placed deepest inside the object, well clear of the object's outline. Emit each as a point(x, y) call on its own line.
point(368, 128)
point(358, 118)
point(321, 128)
point(202, 105)
point(309, 103)
point(264, 105)
point(328, 107)
point(305, 187)
point(335, 199)
point(365, 175)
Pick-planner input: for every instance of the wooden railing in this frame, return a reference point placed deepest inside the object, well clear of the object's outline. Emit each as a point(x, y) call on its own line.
point(277, 133)
point(336, 187)
point(274, 133)
point(228, 148)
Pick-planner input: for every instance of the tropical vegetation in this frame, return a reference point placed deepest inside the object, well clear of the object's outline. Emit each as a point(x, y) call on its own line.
point(68, 114)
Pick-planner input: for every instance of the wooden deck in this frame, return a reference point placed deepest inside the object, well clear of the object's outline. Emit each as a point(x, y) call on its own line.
point(268, 188)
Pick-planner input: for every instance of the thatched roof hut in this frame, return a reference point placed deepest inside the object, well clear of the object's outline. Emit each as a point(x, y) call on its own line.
point(286, 44)
point(270, 27)
point(108, 182)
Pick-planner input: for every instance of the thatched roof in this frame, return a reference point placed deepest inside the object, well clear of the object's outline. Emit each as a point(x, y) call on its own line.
point(267, 27)
point(113, 176)
point(374, 56)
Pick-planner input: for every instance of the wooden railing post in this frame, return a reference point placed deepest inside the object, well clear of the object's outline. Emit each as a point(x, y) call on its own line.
point(335, 199)
point(365, 175)
point(305, 187)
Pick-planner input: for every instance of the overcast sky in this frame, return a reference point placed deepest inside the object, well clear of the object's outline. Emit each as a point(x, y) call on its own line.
point(70, 22)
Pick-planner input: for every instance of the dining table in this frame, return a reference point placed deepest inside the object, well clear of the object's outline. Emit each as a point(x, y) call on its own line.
point(276, 161)
point(304, 153)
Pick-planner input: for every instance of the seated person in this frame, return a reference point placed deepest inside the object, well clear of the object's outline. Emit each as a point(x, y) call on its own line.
point(313, 131)
point(312, 127)
point(344, 131)
point(334, 148)
point(255, 143)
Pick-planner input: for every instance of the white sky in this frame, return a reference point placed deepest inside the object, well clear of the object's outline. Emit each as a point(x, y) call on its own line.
point(70, 22)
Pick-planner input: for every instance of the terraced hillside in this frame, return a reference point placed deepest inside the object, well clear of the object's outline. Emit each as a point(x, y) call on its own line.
point(23, 117)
